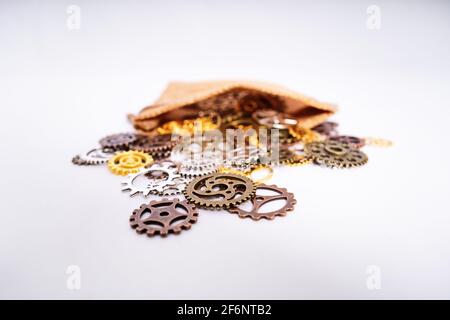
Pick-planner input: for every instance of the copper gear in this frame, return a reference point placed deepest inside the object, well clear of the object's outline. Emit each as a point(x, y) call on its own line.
point(351, 140)
point(328, 129)
point(335, 154)
point(259, 201)
point(227, 188)
point(163, 217)
point(120, 141)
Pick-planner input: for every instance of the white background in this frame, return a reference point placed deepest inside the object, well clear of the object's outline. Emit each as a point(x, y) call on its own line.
point(62, 90)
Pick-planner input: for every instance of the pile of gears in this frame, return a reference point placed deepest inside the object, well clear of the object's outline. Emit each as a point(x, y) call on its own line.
point(183, 157)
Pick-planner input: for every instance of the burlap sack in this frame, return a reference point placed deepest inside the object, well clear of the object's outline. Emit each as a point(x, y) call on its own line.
point(182, 99)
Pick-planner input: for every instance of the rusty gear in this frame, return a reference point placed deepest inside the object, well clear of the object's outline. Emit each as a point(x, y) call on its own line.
point(163, 217)
point(219, 190)
point(120, 141)
point(259, 201)
point(335, 154)
point(351, 140)
point(157, 145)
point(127, 162)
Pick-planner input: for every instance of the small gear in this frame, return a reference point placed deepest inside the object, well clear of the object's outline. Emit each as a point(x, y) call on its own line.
point(219, 190)
point(161, 178)
point(259, 201)
point(241, 157)
point(351, 140)
point(304, 135)
point(273, 119)
point(327, 129)
point(335, 154)
point(128, 162)
point(196, 164)
point(163, 217)
point(157, 145)
point(120, 141)
point(93, 157)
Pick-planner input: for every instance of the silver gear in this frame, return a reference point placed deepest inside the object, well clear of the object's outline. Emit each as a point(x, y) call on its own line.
point(172, 182)
point(197, 164)
point(93, 157)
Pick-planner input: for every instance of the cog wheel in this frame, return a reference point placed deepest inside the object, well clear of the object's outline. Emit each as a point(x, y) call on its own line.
point(304, 135)
point(351, 140)
point(327, 129)
point(161, 178)
point(120, 141)
point(259, 201)
point(197, 164)
point(93, 157)
point(128, 162)
point(241, 157)
point(156, 145)
point(219, 190)
point(163, 217)
point(335, 154)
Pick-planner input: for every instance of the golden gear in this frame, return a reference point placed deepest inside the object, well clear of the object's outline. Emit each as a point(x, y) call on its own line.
point(127, 162)
point(258, 168)
point(188, 126)
point(335, 154)
point(305, 135)
point(378, 142)
point(299, 160)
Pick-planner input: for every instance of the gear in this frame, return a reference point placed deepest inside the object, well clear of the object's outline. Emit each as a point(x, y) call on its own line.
point(351, 140)
point(327, 129)
point(219, 190)
point(335, 154)
point(156, 145)
point(120, 141)
point(163, 217)
point(196, 164)
point(128, 162)
point(273, 119)
point(241, 157)
point(161, 178)
point(259, 201)
point(93, 157)
point(304, 135)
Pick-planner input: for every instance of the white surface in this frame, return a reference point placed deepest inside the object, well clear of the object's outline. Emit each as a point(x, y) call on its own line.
point(62, 90)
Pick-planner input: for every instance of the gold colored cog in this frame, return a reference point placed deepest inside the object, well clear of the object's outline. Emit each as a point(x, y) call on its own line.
point(127, 162)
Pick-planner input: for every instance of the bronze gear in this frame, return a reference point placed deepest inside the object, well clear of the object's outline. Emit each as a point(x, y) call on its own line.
point(163, 217)
point(259, 201)
point(219, 190)
point(335, 154)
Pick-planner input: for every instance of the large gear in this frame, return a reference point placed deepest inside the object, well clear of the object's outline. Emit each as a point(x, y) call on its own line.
point(260, 200)
point(335, 154)
point(163, 217)
point(219, 190)
point(128, 162)
point(167, 181)
point(120, 141)
point(93, 157)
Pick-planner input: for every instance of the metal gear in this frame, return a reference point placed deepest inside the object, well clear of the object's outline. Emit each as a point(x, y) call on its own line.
point(273, 119)
point(328, 129)
point(167, 182)
point(219, 190)
point(335, 154)
point(241, 157)
point(259, 201)
point(351, 140)
point(157, 145)
point(196, 164)
point(120, 141)
point(93, 157)
point(163, 217)
point(128, 162)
